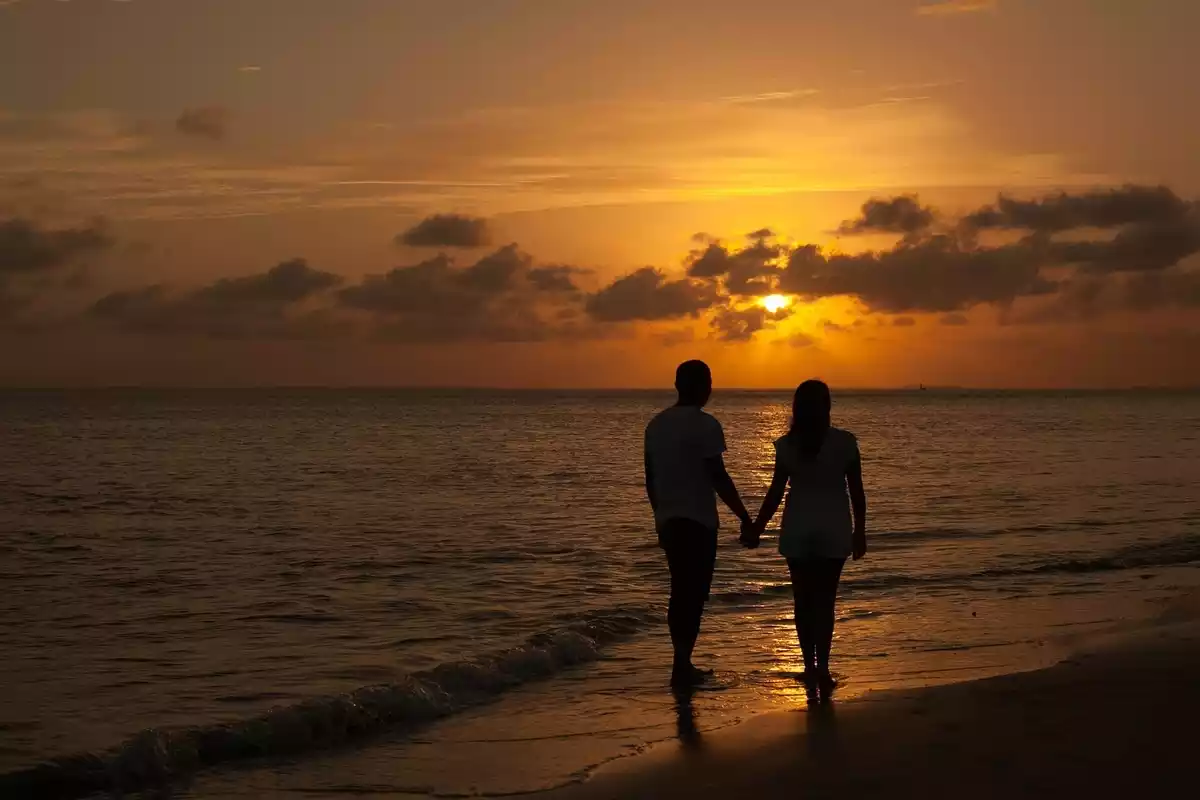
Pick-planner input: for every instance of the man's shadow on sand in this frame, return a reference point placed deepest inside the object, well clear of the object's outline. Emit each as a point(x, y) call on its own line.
point(820, 726)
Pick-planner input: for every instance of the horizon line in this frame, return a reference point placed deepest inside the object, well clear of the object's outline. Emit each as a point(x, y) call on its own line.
point(916, 388)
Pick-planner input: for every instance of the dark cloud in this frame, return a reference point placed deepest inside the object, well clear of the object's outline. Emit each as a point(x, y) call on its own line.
point(903, 214)
point(438, 286)
point(746, 271)
point(1090, 296)
point(954, 320)
point(447, 230)
point(500, 297)
point(938, 274)
point(648, 294)
point(1142, 247)
point(1147, 230)
point(1170, 289)
point(496, 272)
point(903, 322)
point(267, 305)
point(26, 247)
point(36, 259)
point(740, 325)
point(206, 122)
point(1108, 208)
point(555, 278)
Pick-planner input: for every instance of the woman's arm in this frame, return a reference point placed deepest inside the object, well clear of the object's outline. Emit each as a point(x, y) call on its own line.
point(774, 497)
point(858, 501)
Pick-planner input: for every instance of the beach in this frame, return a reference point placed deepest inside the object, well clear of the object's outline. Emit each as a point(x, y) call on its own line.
point(426, 594)
point(1115, 722)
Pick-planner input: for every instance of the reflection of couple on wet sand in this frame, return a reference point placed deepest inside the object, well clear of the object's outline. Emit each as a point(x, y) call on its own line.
point(816, 465)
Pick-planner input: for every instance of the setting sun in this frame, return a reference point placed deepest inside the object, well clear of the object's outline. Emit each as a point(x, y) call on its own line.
point(775, 302)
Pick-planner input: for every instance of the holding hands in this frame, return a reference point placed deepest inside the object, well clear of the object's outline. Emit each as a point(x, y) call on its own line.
point(752, 532)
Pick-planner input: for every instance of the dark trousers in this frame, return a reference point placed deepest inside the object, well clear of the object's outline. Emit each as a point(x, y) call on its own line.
point(814, 587)
point(691, 550)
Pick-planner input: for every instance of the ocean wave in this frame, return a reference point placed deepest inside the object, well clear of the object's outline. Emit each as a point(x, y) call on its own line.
point(899, 539)
point(156, 757)
point(1177, 551)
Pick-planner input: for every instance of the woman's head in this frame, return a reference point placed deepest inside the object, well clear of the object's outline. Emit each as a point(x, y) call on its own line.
point(811, 407)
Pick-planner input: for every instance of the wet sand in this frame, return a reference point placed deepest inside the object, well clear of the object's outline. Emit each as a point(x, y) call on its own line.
point(1117, 722)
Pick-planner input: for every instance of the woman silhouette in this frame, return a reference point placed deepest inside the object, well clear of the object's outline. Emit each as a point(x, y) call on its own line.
point(821, 465)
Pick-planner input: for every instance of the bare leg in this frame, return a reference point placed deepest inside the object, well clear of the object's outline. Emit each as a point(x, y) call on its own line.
point(829, 573)
point(803, 608)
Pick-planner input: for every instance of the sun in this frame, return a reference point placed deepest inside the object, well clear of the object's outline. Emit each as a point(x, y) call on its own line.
point(774, 302)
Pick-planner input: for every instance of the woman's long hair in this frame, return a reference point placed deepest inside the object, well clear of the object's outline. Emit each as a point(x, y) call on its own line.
point(811, 407)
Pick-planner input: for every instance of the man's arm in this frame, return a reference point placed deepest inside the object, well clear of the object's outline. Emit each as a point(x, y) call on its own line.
point(858, 501)
point(726, 490)
point(649, 467)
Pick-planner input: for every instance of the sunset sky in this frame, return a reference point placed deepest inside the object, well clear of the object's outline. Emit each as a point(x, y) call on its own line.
point(567, 193)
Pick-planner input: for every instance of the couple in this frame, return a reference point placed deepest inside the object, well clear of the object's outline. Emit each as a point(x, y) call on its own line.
point(819, 468)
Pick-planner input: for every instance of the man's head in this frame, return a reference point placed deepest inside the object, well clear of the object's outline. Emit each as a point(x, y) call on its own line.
point(693, 381)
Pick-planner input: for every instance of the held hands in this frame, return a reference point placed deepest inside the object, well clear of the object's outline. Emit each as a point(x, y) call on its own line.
point(751, 534)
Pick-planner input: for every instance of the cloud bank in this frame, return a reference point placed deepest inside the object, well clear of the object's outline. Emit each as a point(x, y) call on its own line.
point(1057, 258)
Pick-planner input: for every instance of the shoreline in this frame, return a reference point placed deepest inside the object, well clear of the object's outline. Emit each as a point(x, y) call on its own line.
point(1105, 723)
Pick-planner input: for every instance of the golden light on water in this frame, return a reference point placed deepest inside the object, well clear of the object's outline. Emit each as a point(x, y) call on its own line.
point(775, 302)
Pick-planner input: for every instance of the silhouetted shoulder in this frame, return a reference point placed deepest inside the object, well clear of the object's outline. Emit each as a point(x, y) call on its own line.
point(845, 441)
point(843, 435)
point(711, 422)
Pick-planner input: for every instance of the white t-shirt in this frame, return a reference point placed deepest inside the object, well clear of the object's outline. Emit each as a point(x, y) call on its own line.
point(678, 440)
point(817, 521)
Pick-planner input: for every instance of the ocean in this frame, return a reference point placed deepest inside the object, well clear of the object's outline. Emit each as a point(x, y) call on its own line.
point(253, 593)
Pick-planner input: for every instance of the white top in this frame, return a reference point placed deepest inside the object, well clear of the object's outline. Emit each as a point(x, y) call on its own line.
point(678, 440)
point(816, 515)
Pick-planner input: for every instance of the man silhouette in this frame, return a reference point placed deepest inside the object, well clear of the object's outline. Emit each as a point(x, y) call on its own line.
point(685, 473)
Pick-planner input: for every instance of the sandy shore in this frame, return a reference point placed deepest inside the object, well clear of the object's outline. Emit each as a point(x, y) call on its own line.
point(1118, 722)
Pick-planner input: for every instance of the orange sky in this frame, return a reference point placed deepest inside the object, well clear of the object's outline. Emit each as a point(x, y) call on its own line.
point(219, 193)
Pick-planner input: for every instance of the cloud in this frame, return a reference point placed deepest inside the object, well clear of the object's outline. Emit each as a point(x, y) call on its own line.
point(648, 294)
point(903, 214)
point(556, 278)
point(502, 296)
point(949, 7)
point(954, 320)
point(903, 322)
point(269, 305)
point(438, 286)
point(206, 122)
point(939, 274)
point(740, 325)
point(447, 230)
point(1106, 208)
point(1127, 229)
point(1089, 297)
point(745, 271)
point(1145, 247)
point(26, 247)
point(33, 259)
